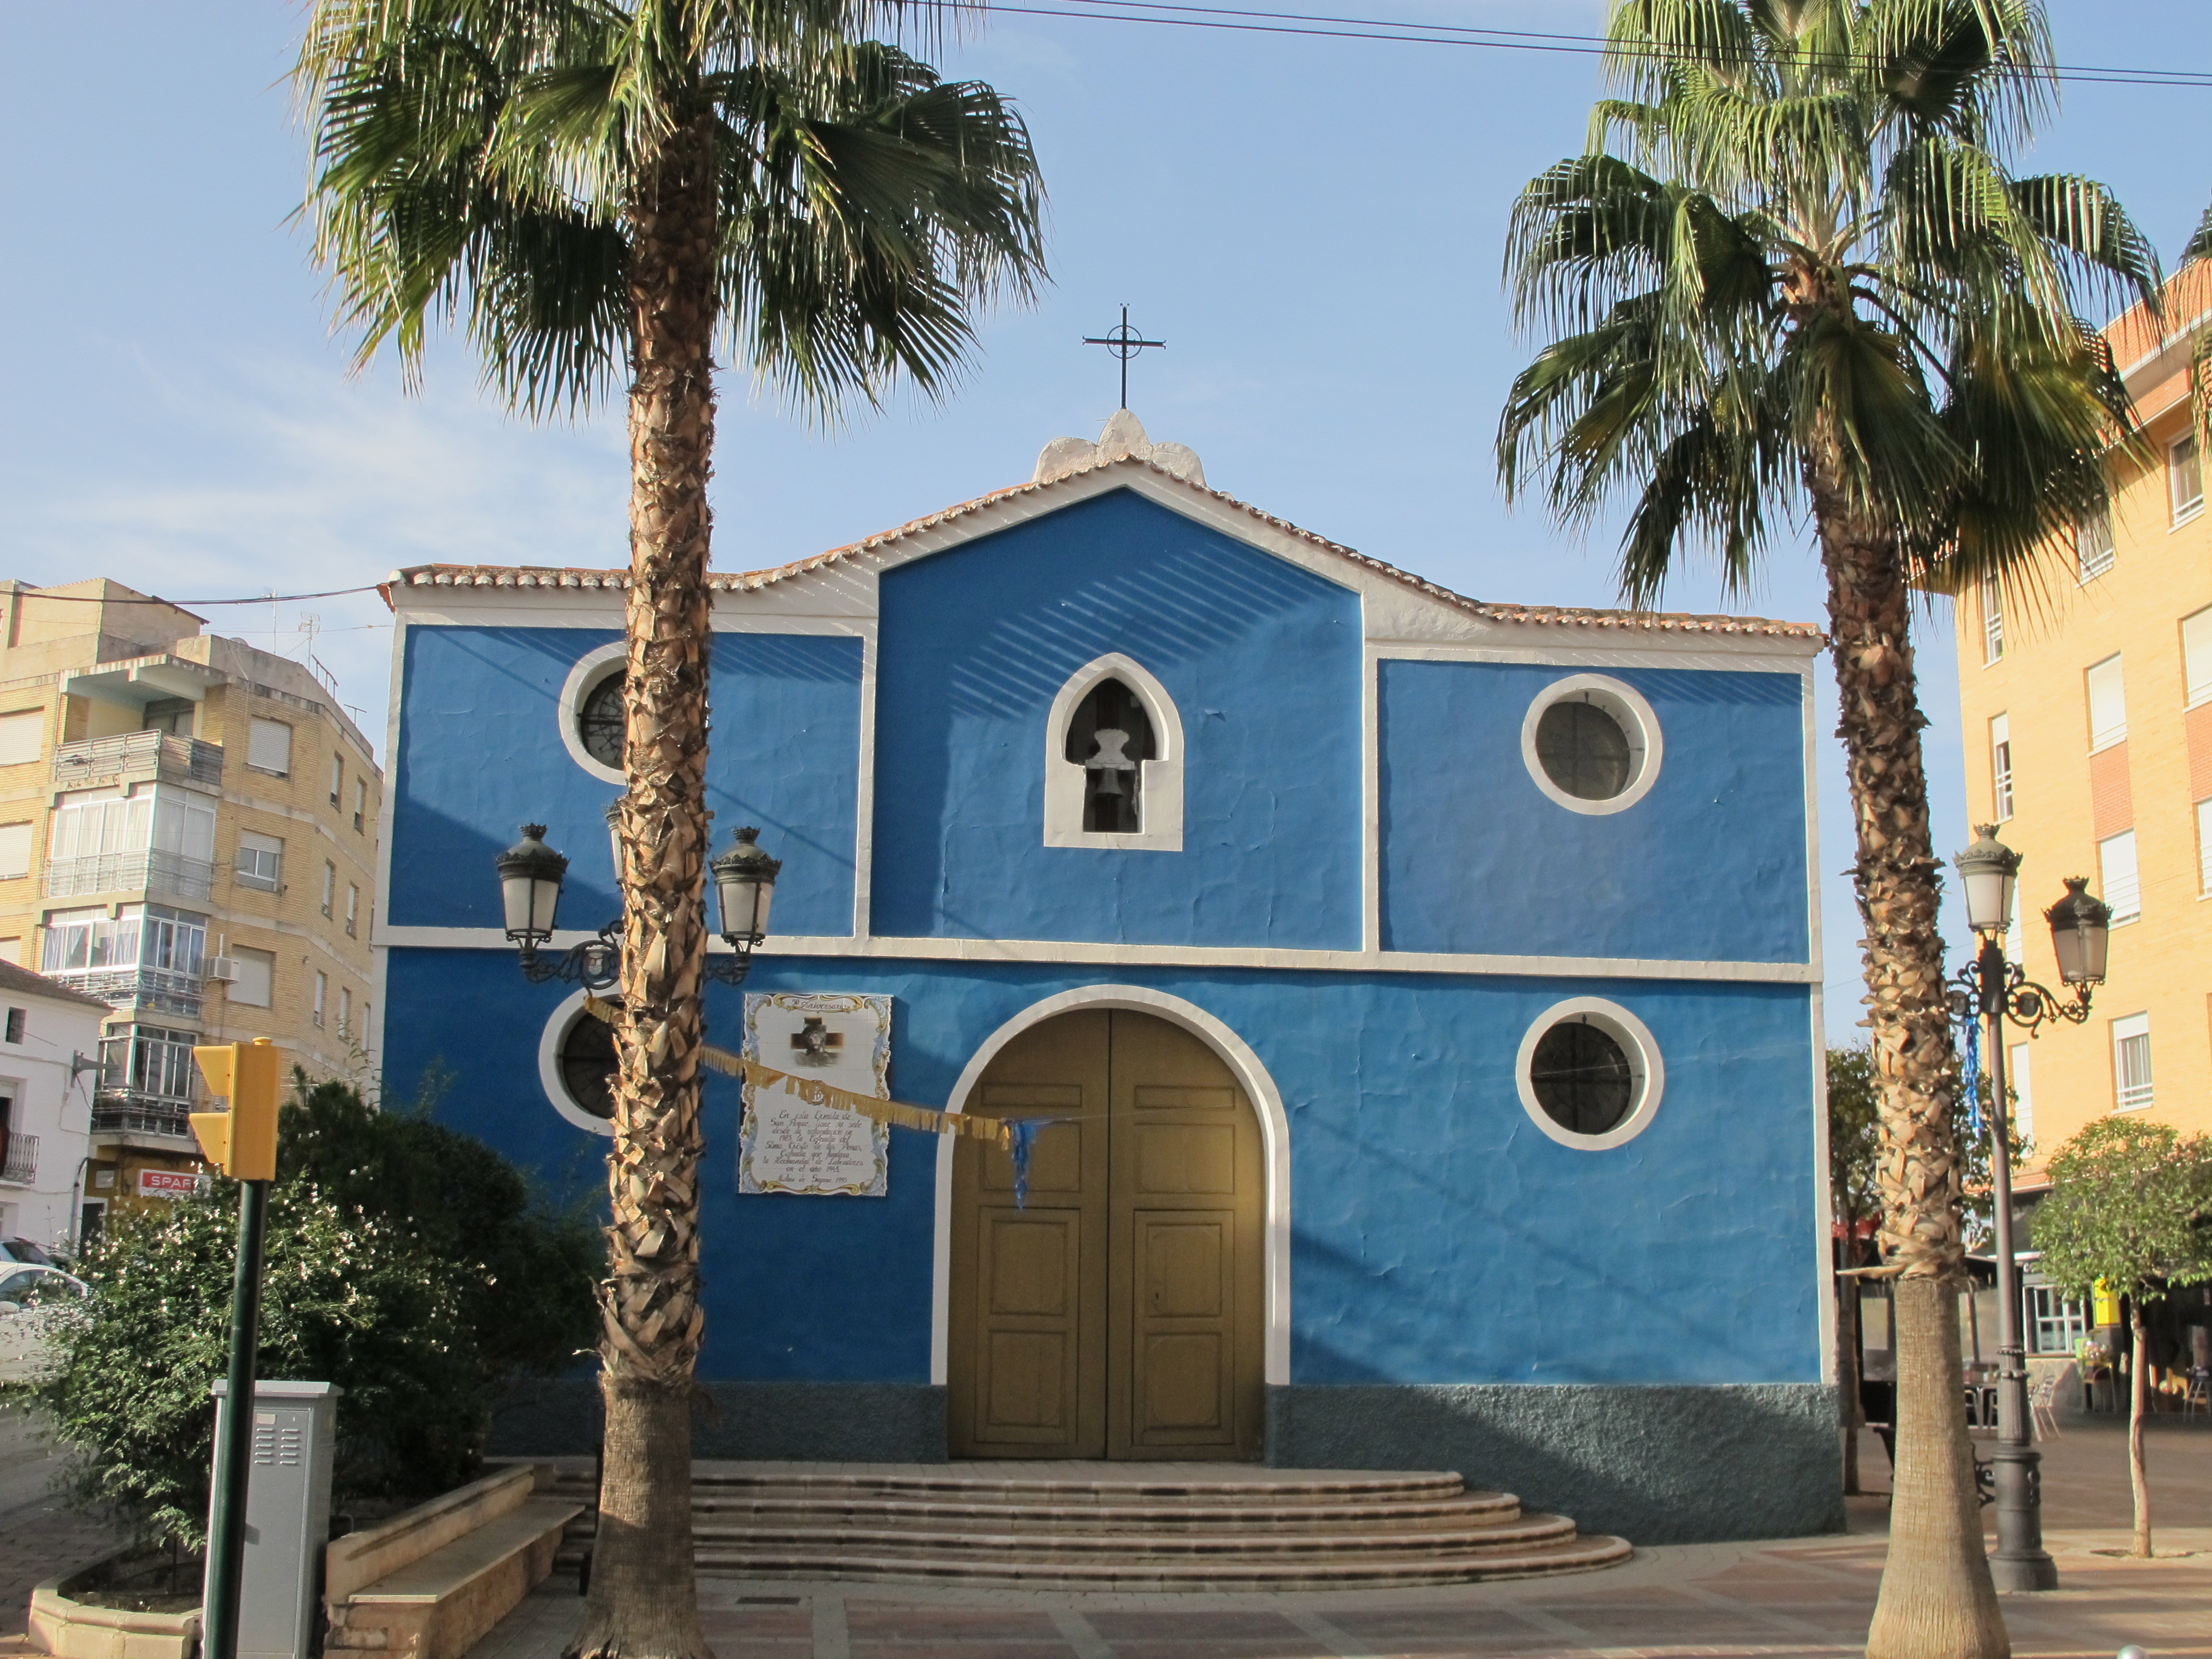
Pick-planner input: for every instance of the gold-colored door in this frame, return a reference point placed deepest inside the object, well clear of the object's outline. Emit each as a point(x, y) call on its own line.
point(1119, 1314)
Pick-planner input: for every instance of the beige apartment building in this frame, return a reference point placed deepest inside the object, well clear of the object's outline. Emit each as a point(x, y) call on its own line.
point(188, 833)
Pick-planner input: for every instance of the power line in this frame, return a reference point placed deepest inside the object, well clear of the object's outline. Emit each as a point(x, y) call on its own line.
point(1403, 31)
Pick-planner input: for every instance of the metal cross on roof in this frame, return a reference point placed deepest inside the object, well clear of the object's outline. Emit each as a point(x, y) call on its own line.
point(1124, 343)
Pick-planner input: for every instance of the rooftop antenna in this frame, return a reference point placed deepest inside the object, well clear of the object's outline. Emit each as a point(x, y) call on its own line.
point(1125, 342)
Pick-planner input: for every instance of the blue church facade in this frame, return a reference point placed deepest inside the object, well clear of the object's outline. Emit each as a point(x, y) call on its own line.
point(1372, 868)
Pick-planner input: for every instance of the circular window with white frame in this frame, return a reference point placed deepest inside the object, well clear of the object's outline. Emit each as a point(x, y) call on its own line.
point(591, 712)
point(576, 1066)
point(1589, 1074)
point(1591, 744)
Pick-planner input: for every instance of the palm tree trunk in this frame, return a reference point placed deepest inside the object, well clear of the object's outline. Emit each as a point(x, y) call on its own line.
point(2138, 1402)
point(1850, 1417)
point(1937, 1600)
point(644, 1600)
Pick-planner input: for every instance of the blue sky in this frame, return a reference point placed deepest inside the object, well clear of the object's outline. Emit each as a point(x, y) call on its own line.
point(1314, 227)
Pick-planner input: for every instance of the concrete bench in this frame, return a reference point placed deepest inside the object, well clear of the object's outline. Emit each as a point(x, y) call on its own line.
point(432, 1582)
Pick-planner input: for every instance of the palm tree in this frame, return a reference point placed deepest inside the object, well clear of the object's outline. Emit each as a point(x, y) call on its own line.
point(1792, 274)
point(596, 189)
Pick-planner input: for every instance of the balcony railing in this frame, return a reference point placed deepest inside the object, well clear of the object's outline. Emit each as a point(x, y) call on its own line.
point(130, 872)
point(19, 1159)
point(137, 757)
point(161, 988)
point(120, 1114)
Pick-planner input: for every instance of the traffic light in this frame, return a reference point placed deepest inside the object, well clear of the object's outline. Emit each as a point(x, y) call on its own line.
point(242, 1141)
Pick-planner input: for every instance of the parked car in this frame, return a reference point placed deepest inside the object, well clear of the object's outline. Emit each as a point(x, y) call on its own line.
point(22, 1249)
point(30, 1292)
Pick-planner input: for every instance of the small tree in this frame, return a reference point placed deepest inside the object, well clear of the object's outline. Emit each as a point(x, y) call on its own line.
point(404, 1263)
point(2130, 1204)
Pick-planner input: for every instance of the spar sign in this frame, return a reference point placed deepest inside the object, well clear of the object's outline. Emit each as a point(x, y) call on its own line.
point(169, 1183)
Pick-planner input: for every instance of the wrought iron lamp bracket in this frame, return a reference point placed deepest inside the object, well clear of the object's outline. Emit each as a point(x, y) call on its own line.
point(1990, 985)
point(596, 964)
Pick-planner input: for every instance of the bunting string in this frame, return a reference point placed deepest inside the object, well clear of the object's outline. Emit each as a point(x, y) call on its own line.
point(995, 1131)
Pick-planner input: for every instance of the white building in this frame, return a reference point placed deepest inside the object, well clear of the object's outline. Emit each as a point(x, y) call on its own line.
point(49, 1064)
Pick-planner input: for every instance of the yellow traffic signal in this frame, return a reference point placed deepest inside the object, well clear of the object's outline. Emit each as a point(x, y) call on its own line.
point(242, 1141)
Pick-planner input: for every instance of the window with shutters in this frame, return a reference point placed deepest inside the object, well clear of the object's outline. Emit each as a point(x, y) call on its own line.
point(255, 985)
point(360, 805)
point(2204, 847)
point(2093, 545)
point(2001, 767)
point(322, 996)
point(2197, 657)
point(2131, 1089)
point(269, 747)
point(330, 886)
point(2108, 703)
point(260, 861)
point(21, 736)
point(1992, 622)
point(2119, 884)
point(14, 850)
point(2185, 479)
point(345, 1012)
point(353, 911)
point(337, 778)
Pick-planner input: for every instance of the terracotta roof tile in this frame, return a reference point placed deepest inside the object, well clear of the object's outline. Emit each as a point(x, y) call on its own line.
point(552, 576)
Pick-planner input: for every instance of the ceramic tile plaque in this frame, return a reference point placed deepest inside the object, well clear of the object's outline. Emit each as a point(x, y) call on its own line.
point(786, 1146)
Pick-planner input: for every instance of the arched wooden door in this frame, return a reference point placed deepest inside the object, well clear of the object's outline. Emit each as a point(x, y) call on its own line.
point(1118, 1313)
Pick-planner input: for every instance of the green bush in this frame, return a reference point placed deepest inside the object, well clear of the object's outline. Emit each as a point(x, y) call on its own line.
point(406, 1262)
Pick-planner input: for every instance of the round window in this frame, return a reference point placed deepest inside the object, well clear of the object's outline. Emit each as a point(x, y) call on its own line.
point(599, 722)
point(1582, 748)
point(1589, 1073)
point(587, 1065)
point(1591, 744)
point(1580, 1078)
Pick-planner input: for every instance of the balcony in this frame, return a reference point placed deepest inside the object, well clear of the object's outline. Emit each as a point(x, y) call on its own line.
point(162, 989)
point(130, 872)
point(141, 1114)
point(19, 1159)
point(137, 757)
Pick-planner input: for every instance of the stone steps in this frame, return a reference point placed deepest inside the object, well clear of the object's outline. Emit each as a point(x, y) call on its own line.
point(1109, 1526)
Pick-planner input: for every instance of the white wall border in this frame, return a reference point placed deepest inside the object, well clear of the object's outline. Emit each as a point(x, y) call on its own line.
point(1159, 792)
point(1643, 1058)
point(1626, 705)
point(590, 669)
point(1275, 1154)
point(548, 1067)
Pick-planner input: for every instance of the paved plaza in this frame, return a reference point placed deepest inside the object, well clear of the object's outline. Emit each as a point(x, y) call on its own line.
point(1802, 1598)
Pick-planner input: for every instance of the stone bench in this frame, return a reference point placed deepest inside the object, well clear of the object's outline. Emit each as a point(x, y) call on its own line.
point(432, 1582)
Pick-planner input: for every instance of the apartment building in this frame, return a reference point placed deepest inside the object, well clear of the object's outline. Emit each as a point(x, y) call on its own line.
point(188, 833)
point(2088, 709)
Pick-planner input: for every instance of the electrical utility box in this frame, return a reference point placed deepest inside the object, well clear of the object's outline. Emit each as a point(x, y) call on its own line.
point(287, 1514)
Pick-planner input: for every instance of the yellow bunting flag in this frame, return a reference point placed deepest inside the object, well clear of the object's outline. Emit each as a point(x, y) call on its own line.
point(996, 1131)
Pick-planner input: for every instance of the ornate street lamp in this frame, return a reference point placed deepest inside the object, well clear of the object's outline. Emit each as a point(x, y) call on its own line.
point(1999, 992)
point(531, 874)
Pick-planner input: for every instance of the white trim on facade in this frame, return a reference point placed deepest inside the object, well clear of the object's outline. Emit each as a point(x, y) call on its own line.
point(1275, 1153)
point(1088, 953)
point(1159, 790)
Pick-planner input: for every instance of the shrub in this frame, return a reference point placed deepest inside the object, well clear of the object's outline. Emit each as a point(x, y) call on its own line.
point(406, 1262)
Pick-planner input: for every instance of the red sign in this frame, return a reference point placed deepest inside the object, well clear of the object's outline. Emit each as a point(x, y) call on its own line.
point(168, 1183)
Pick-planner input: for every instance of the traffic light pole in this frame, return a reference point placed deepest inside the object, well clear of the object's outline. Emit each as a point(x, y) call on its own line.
point(226, 1556)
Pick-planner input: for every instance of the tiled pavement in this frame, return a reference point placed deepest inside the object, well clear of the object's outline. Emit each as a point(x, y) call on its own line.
point(1800, 1598)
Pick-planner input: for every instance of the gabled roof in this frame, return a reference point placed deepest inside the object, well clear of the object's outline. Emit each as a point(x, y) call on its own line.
point(548, 576)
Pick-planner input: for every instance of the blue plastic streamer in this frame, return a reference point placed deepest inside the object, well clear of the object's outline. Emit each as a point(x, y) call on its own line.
point(1025, 1141)
point(1973, 1077)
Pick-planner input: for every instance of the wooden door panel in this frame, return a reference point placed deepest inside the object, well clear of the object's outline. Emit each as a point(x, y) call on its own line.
point(1027, 1373)
point(1184, 1364)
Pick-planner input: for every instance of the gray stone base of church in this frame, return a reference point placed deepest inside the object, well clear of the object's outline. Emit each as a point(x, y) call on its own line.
point(839, 1422)
point(1652, 1465)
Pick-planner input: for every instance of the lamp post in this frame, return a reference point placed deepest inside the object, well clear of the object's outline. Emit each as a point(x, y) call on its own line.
point(531, 874)
point(1998, 991)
